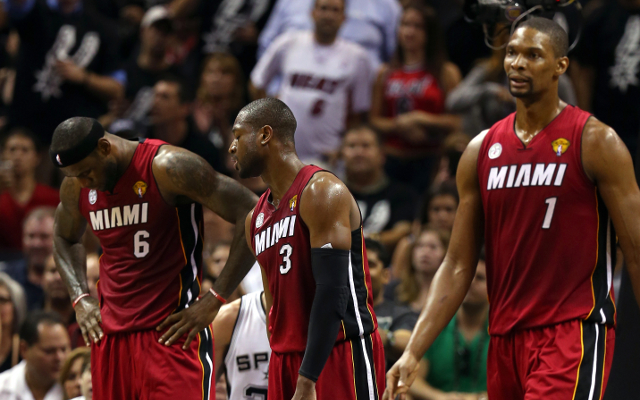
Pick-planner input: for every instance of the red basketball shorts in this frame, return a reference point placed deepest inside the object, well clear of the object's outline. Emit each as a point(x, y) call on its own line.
point(134, 366)
point(354, 371)
point(567, 361)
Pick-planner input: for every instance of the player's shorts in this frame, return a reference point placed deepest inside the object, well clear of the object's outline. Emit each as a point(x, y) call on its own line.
point(354, 371)
point(567, 361)
point(134, 366)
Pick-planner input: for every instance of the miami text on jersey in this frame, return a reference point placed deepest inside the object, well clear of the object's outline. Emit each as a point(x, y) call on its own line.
point(119, 216)
point(270, 236)
point(520, 175)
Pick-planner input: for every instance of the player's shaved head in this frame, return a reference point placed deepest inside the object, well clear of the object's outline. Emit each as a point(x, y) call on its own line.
point(557, 36)
point(70, 133)
point(272, 112)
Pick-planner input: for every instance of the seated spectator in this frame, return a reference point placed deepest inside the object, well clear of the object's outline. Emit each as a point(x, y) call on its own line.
point(216, 261)
point(37, 247)
point(483, 96)
point(13, 309)
point(387, 207)
point(44, 345)
point(68, 64)
point(85, 382)
point(427, 254)
point(452, 148)
point(409, 96)
point(56, 296)
point(170, 121)
point(456, 362)
point(19, 191)
point(71, 374)
point(145, 68)
point(370, 23)
point(395, 321)
point(326, 82)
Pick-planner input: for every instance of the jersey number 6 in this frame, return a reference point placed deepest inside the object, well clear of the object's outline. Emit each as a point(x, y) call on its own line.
point(285, 251)
point(140, 247)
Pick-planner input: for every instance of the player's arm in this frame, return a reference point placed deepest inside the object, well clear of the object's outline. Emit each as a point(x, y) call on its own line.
point(184, 176)
point(608, 163)
point(452, 281)
point(71, 259)
point(325, 207)
point(223, 327)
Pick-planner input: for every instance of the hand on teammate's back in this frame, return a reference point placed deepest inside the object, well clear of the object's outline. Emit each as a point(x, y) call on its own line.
point(89, 319)
point(401, 376)
point(192, 320)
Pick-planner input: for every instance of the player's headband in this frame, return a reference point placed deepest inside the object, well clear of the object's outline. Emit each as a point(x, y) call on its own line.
point(80, 151)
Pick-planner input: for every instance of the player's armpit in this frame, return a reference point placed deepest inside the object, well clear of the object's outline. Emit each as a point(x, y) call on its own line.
point(608, 163)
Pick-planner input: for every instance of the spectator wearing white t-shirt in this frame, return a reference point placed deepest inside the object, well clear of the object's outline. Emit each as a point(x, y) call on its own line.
point(326, 81)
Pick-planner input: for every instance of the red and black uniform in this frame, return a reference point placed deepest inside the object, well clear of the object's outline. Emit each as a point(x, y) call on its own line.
point(150, 268)
point(550, 253)
point(280, 240)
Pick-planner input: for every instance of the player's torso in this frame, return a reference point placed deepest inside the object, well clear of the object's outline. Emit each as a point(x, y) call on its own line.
point(549, 242)
point(151, 250)
point(280, 240)
point(247, 361)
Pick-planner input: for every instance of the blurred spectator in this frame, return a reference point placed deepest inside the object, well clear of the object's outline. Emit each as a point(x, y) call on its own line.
point(387, 207)
point(86, 387)
point(395, 321)
point(219, 98)
point(483, 96)
point(68, 64)
point(439, 207)
point(44, 345)
point(170, 121)
point(456, 363)
point(56, 296)
point(71, 374)
point(326, 81)
point(37, 239)
point(409, 97)
point(452, 148)
point(122, 17)
point(370, 23)
point(427, 254)
point(144, 70)
point(215, 262)
point(13, 309)
point(93, 274)
point(606, 67)
point(19, 191)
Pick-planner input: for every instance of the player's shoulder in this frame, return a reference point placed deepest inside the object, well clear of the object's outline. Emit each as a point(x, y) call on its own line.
point(476, 143)
point(597, 133)
point(70, 191)
point(323, 184)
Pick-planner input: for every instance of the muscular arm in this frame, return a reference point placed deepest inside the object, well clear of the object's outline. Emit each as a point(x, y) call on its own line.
point(452, 281)
point(608, 163)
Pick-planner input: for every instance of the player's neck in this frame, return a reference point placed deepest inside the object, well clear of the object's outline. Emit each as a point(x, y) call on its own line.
point(280, 174)
point(532, 116)
point(124, 151)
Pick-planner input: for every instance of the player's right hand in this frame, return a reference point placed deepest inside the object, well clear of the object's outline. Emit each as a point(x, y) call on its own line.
point(89, 319)
point(401, 376)
point(192, 320)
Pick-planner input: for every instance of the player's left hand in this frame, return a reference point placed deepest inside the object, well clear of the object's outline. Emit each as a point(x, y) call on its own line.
point(305, 389)
point(192, 320)
point(69, 71)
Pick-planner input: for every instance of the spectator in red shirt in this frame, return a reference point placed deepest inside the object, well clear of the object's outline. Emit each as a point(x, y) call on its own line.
point(19, 191)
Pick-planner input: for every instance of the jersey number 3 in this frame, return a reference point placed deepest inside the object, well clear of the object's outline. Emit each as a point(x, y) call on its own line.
point(285, 251)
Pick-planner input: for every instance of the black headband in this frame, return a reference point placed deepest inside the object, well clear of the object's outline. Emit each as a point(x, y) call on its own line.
point(80, 151)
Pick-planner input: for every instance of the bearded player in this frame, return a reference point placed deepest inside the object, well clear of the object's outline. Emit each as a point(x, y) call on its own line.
point(306, 233)
point(542, 188)
point(143, 201)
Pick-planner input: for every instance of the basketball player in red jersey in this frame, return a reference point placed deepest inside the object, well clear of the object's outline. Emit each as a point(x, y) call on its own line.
point(143, 201)
point(306, 232)
point(542, 188)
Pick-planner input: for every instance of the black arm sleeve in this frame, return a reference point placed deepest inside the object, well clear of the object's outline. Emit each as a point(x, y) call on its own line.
point(331, 273)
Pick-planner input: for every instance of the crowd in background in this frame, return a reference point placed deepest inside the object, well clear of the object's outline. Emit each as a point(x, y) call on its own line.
point(389, 105)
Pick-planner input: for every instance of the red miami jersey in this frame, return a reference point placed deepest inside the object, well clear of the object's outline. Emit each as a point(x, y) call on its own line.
point(550, 245)
point(280, 240)
point(152, 251)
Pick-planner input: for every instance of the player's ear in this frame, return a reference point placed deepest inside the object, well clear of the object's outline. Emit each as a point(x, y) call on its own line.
point(104, 146)
point(561, 65)
point(265, 134)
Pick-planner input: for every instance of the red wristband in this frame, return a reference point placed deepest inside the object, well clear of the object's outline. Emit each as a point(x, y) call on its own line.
point(82, 296)
point(217, 296)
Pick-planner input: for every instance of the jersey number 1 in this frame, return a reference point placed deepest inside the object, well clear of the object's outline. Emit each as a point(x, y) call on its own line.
point(551, 206)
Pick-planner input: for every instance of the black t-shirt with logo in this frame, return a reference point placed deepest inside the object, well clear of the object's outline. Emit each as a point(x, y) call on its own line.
point(384, 208)
point(41, 99)
point(610, 44)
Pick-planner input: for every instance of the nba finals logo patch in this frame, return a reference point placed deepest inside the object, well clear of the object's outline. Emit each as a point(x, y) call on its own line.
point(140, 188)
point(293, 202)
point(495, 151)
point(93, 196)
point(259, 220)
point(560, 146)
